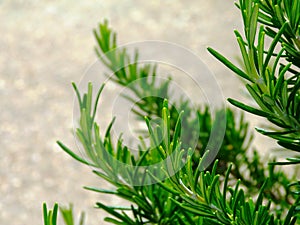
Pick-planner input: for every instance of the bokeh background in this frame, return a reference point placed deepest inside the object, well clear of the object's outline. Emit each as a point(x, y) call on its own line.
point(47, 44)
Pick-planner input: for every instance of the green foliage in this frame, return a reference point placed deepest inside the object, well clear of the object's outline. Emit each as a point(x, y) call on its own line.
point(50, 216)
point(169, 181)
point(272, 73)
point(67, 214)
point(189, 195)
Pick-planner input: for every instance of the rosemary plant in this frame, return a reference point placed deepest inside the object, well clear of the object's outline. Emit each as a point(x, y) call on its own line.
point(238, 188)
point(272, 75)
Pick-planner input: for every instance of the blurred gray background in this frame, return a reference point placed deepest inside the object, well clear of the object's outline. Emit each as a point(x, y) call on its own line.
point(47, 44)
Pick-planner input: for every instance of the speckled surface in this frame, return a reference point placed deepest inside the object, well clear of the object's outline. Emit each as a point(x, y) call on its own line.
point(47, 44)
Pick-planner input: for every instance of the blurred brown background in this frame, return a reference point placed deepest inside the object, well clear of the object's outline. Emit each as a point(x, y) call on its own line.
point(47, 44)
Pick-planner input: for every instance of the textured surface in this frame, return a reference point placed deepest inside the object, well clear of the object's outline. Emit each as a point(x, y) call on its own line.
point(47, 44)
